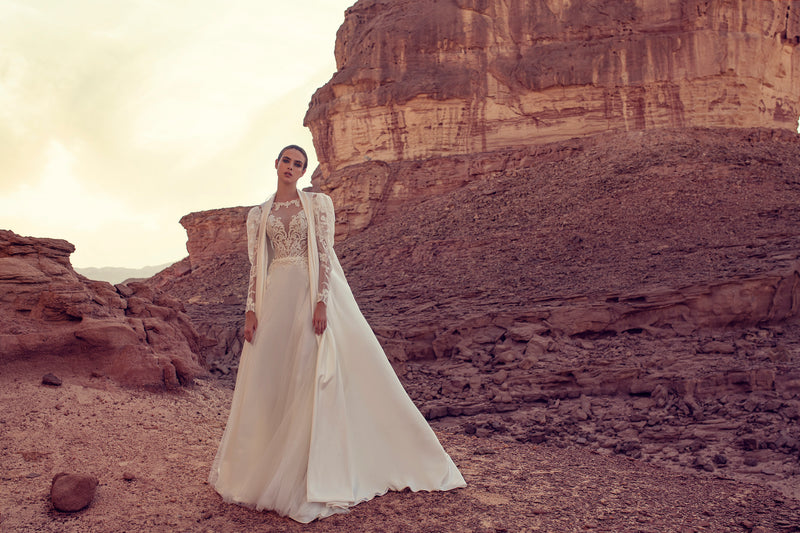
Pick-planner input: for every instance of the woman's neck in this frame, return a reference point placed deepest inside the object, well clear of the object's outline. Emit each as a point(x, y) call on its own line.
point(286, 194)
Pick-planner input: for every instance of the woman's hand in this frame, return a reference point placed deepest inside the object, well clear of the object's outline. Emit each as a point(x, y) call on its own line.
point(250, 325)
point(320, 319)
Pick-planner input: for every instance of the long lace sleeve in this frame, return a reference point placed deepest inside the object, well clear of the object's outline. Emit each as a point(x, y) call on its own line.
point(253, 221)
point(324, 225)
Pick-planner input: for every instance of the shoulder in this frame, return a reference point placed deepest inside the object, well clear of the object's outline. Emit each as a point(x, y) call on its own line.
point(254, 214)
point(321, 200)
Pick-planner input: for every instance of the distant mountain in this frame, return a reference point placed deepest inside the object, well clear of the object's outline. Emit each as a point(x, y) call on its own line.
point(116, 275)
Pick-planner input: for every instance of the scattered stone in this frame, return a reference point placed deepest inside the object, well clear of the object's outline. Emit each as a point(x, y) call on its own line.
point(435, 411)
point(702, 463)
point(718, 347)
point(51, 379)
point(629, 447)
point(503, 397)
point(523, 332)
point(72, 492)
point(536, 347)
point(500, 377)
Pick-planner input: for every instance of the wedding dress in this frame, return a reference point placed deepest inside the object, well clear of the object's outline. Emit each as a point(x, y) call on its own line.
point(318, 423)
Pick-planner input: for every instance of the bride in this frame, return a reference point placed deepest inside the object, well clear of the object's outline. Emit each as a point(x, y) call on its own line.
point(319, 422)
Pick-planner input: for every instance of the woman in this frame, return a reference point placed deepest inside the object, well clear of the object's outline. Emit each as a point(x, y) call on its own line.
point(319, 422)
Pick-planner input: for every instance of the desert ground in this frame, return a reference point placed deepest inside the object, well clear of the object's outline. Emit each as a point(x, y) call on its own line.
point(151, 453)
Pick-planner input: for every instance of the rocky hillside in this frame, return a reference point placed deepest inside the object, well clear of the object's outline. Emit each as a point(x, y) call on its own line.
point(613, 218)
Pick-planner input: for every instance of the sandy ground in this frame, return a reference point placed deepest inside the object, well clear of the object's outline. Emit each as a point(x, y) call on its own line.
point(151, 453)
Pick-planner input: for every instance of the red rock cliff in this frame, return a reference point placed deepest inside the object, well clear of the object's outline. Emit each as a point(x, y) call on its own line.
point(418, 80)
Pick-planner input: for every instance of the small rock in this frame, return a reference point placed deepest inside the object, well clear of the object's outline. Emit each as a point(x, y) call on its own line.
point(791, 410)
point(660, 394)
point(483, 431)
point(72, 492)
point(628, 447)
point(749, 443)
point(537, 346)
point(51, 379)
point(586, 344)
point(128, 476)
point(534, 437)
point(769, 471)
point(436, 411)
point(503, 397)
point(718, 347)
point(720, 459)
point(469, 428)
point(523, 331)
point(475, 382)
point(500, 377)
point(702, 463)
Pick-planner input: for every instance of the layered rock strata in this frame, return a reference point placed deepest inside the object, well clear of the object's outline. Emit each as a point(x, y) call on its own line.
point(212, 282)
point(130, 333)
point(419, 80)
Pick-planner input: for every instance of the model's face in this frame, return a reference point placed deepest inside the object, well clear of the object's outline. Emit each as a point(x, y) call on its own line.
point(290, 166)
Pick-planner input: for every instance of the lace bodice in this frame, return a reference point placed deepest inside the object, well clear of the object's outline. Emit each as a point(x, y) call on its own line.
point(288, 231)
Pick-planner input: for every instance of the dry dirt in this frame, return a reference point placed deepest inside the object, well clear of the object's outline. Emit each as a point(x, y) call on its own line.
point(151, 453)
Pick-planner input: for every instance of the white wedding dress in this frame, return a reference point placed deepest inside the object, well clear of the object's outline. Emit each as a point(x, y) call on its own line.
point(317, 423)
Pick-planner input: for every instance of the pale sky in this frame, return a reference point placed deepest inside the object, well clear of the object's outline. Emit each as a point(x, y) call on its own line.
point(118, 117)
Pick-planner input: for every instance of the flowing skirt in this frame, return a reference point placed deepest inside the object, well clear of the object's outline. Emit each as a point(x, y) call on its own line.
point(308, 446)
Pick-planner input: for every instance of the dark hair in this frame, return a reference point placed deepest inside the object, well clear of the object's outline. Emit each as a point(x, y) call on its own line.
point(295, 147)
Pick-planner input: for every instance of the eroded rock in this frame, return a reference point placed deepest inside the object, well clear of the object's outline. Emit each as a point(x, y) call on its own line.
point(137, 336)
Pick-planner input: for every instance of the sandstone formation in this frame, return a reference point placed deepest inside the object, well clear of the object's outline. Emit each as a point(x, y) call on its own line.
point(212, 282)
point(130, 333)
point(417, 81)
point(215, 234)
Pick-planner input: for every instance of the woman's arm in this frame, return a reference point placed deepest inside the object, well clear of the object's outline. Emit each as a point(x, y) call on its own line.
point(250, 320)
point(324, 228)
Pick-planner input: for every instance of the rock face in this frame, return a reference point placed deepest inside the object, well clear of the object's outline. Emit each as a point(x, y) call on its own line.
point(419, 80)
point(212, 282)
point(133, 334)
point(214, 234)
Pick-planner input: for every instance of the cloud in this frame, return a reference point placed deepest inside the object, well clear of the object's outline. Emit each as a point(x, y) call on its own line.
point(150, 109)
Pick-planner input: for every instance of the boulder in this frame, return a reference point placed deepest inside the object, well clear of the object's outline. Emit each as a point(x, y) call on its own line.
point(72, 492)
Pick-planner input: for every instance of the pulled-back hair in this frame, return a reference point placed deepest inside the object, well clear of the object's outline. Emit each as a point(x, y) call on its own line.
point(295, 147)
